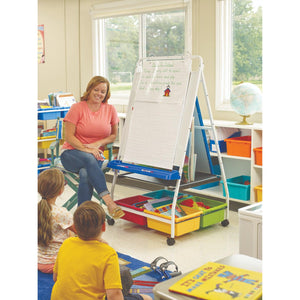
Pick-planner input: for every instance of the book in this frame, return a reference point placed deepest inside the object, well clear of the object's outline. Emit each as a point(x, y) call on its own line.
point(65, 100)
point(43, 104)
point(220, 282)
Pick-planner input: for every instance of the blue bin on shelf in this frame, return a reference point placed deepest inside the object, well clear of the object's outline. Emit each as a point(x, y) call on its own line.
point(43, 167)
point(52, 113)
point(238, 187)
point(64, 111)
point(222, 143)
point(49, 113)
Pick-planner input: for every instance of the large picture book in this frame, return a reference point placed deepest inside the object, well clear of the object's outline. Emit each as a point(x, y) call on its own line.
point(217, 281)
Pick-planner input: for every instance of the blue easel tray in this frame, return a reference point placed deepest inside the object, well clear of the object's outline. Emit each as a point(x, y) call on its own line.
point(158, 173)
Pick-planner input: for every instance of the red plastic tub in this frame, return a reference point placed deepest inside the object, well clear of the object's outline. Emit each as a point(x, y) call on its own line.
point(129, 202)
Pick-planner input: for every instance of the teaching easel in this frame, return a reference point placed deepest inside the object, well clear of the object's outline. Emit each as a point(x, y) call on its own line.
point(158, 124)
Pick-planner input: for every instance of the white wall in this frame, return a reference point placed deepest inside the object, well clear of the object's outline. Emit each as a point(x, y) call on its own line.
point(68, 42)
point(66, 26)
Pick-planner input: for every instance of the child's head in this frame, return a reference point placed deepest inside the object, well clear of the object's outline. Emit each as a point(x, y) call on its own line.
point(50, 183)
point(89, 220)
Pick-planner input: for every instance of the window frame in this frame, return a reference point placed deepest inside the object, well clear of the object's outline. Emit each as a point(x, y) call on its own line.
point(223, 55)
point(99, 64)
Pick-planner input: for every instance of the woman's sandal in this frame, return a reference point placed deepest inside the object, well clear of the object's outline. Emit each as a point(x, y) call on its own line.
point(117, 213)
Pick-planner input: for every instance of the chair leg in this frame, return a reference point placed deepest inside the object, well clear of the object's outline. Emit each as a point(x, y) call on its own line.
point(74, 199)
point(71, 202)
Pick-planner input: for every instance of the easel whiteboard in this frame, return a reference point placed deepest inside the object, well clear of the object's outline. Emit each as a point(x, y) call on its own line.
point(156, 111)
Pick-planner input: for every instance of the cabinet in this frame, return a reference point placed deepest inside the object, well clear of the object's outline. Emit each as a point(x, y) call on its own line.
point(250, 233)
point(236, 165)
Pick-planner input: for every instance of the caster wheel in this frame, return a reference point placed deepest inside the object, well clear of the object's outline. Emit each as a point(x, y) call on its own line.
point(225, 223)
point(110, 221)
point(170, 241)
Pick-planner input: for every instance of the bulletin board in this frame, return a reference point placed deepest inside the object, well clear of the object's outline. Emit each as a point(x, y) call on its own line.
point(159, 113)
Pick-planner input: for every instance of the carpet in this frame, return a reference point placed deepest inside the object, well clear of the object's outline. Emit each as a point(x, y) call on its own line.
point(143, 277)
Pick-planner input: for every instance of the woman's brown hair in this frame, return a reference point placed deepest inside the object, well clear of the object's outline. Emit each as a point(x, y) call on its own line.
point(88, 219)
point(94, 82)
point(50, 184)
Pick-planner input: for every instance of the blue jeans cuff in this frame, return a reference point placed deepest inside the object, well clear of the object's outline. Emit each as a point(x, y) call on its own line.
point(103, 193)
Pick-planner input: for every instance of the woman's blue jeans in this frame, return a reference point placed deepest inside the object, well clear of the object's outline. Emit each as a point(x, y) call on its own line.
point(90, 173)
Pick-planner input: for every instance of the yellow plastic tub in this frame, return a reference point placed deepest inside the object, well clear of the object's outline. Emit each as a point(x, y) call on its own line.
point(183, 225)
point(45, 144)
point(258, 190)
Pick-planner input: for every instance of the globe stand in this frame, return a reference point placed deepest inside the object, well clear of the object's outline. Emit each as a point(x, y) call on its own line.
point(244, 121)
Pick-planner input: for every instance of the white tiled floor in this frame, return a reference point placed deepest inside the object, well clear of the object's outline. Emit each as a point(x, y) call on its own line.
point(190, 250)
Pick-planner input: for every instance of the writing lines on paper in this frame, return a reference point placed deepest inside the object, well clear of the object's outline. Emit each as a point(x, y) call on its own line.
point(163, 81)
point(153, 134)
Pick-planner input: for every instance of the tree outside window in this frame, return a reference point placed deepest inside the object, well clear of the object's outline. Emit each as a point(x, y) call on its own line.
point(129, 38)
point(247, 42)
point(239, 47)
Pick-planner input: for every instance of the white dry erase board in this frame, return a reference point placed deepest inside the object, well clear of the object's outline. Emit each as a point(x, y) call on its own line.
point(159, 113)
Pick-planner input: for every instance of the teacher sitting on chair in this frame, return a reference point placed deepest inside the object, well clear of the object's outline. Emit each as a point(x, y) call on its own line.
point(91, 124)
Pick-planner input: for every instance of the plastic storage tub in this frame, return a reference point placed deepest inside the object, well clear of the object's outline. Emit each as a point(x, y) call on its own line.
point(239, 146)
point(163, 193)
point(222, 143)
point(258, 190)
point(52, 113)
point(43, 143)
point(258, 156)
point(49, 113)
point(64, 111)
point(129, 202)
point(213, 215)
point(183, 225)
point(238, 187)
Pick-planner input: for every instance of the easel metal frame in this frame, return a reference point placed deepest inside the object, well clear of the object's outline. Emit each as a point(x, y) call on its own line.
point(195, 78)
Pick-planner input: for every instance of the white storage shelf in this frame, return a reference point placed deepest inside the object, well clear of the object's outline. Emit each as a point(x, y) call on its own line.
point(236, 165)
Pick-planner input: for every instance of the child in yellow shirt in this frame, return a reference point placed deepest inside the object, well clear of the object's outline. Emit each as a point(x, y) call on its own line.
point(86, 267)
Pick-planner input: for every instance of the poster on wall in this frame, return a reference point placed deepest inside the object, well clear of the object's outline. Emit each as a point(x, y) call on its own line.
point(41, 44)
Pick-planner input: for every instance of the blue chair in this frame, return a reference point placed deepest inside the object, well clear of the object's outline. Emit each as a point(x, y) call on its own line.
point(71, 178)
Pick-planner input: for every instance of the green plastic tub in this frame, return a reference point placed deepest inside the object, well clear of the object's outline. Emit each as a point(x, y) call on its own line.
point(215, 214)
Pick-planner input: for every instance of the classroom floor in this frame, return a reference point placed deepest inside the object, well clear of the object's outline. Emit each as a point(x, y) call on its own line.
point(190, 250)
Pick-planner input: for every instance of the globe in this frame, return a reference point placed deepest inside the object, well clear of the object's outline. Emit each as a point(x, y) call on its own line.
point(246, 99)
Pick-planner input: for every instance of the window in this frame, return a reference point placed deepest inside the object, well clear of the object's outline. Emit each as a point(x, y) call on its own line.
point(239, 47)
point(121, 41)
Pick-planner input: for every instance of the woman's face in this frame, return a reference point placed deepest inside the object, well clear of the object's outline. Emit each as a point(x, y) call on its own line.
point(98, 93)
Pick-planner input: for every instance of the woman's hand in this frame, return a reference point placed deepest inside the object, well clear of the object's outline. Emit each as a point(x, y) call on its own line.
point(95, 151)
point(97, 145)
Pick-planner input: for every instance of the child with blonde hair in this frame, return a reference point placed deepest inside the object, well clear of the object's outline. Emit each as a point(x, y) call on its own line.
point(54, 222)
point(86, 268)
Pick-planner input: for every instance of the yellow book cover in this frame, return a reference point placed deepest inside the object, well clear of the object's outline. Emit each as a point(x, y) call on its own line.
point(220, 282)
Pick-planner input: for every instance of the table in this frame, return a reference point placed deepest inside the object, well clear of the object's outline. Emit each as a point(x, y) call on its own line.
point(161, 290)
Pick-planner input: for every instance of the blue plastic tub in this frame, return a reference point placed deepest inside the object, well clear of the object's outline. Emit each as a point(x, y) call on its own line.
point(52, 113)
point(49, 113)
point(238, 187)
point(222, 143)
point(163, 193)
point(206, 185)
point(64, 111)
